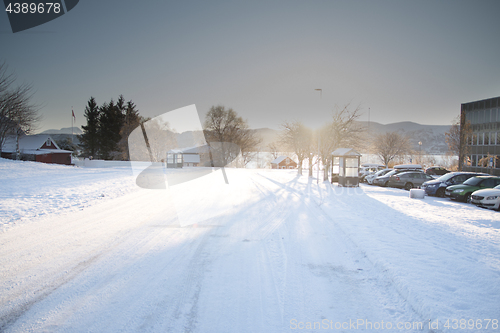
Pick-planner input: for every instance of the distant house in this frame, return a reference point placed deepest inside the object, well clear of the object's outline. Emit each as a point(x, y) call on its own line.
point(283, 162)
point(196, 156)
point(38, 148)
point(189, 157)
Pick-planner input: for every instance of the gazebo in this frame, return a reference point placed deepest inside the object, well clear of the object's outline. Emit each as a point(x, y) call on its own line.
point(347, 160)
point(174, 159)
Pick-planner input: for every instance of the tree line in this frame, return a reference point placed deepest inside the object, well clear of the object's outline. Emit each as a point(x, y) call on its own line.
point(343, 130)
point(108, 127)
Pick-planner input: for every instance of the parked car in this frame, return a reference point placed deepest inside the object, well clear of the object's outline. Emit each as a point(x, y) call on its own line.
point(437, 186)
point(464, 191)
point(487, 198)
point(369, 179)
point(408, 180)
point(436, 171)
point(383, 180)
point(368, 169)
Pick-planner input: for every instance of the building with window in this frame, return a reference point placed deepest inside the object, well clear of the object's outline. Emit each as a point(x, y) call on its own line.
point(483, 143)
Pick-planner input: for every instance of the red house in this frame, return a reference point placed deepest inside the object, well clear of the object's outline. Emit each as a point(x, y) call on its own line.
point(39, 148)
point(283, 162)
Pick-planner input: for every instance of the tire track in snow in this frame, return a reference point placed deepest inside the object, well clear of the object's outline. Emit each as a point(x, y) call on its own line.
point(382, 281)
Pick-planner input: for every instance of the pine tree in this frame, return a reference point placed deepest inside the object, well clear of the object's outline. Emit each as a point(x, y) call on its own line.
point(89, 140)
point(110, 124)
point(132, 119)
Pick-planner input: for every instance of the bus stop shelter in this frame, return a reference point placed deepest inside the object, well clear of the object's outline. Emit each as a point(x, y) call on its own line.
point(347, 161)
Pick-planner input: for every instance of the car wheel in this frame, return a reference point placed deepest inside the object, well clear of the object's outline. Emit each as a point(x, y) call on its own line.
point(386, 183)
point(408, 186)
point(440, 193)
point(467, 197)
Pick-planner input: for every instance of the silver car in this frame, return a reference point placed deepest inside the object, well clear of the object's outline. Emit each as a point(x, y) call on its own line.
point(408, 180)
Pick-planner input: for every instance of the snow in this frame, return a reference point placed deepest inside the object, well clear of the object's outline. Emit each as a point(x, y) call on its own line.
point(268, 252)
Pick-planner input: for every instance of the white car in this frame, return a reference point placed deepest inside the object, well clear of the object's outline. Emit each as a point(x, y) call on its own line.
point(369, 179)
point(487, 198)
point(369, 169)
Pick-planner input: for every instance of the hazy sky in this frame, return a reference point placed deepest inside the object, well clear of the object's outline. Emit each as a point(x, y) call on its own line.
point(403, 60)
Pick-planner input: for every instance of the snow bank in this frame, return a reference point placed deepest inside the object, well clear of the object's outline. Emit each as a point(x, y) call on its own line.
point(31, 189)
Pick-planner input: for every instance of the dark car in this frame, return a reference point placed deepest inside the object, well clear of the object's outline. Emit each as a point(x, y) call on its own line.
point(408, 180)
point(463, 192)
point(436, 171)
point(437, 186)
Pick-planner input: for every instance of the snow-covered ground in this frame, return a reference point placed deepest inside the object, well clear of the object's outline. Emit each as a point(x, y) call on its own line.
point(86, 250)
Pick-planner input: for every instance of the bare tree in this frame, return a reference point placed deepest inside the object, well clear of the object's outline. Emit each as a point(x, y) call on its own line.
point(458, 139)
point(390, 145)
point(18, 115)
point(342, 131)
point(298, 138)
point(224, 125)
point(273, 149)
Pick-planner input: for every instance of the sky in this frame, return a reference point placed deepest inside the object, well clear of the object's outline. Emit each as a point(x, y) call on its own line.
point(395, 60)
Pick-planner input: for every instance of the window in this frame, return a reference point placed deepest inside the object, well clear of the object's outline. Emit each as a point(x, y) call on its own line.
point(486, 116)
point(497, 162)
point(48, 143)
point(494, 115)
point(486, 139)
point(488, 183)
point(480, 138)
point(474, 160)
point(498, 138)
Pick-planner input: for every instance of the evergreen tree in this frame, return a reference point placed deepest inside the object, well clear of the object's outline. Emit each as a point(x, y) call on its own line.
point(110, 123)
point(89, 140)
point(132, 119)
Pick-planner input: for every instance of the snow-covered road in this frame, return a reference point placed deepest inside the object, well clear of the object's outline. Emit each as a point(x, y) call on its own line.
point(285, 254)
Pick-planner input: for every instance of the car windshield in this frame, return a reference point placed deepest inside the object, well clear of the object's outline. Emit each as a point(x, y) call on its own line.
point(390, 173)
point(381, 172)
point(473, 181)
point(497, 187)
point(446, 177)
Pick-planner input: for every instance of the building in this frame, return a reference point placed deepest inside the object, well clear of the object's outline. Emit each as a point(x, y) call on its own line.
point(189, 157)
point(482, 153)
point(196, 156)
point(283, 162)
point(38, 148)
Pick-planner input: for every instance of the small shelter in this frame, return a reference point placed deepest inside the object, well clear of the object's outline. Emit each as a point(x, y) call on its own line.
point(38, 148)
point(347, 160)
point(283, 162)
point(174, 159)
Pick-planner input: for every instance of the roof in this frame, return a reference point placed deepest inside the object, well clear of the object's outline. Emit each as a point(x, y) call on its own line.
point(280, 159)
point(27, 143)
point(345, 152)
